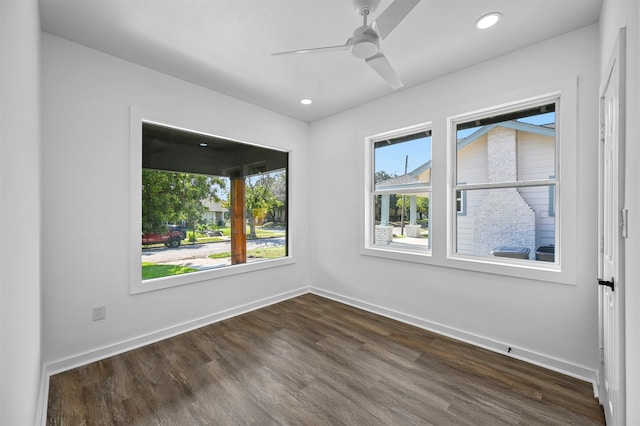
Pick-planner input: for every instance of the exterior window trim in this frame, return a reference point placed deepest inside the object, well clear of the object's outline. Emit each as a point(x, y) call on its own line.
point(137, 116)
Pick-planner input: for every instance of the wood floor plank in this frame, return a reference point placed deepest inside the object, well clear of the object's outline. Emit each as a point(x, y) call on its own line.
point(314, 361)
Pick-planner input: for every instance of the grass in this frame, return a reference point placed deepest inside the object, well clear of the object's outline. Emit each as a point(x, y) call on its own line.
point(260, 253)
point(151, 270)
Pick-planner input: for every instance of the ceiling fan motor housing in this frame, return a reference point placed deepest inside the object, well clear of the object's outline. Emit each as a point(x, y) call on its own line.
point(366, 42)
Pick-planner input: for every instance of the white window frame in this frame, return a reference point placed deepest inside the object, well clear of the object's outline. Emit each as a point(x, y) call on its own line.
point(463, 187)
point(443, 202)
point(563, 269)
point(370, 248)
point(136, 284)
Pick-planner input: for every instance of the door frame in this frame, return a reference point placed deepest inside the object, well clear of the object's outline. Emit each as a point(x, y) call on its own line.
point(617, 58)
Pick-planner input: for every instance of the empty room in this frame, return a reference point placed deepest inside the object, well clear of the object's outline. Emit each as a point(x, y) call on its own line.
point(326, 212)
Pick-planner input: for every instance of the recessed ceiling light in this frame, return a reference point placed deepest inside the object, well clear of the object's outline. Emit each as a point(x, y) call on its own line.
point(204, 144)
point(488, 20)
point(306, 101)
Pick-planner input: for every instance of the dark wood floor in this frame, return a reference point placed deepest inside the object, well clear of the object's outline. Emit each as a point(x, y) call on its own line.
point(313, 361)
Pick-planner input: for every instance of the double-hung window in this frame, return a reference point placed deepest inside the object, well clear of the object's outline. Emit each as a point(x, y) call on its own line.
point(496, 186)
point(505, 164)
point(399, 195)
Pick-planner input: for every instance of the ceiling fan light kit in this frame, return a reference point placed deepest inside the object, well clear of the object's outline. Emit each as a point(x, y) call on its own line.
point(365, 41)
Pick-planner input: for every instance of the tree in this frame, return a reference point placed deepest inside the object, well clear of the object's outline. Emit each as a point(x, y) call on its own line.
point(400, 199)
point(260, 197)
point(381, 176)
point(422, 205)
point(173, 197)
point(280, 192)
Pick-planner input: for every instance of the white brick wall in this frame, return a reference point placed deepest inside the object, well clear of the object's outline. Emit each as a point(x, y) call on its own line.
point(383, 234)
point(503, 218)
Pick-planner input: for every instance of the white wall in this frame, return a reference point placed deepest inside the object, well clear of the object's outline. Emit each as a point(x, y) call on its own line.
point(86, 99)
point(19, 212)
point(616, 14)
point(556, 321)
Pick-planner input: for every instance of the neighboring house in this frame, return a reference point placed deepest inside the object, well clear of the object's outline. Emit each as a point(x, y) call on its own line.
point(525, 217)
point(489, 219)
point(214, 212)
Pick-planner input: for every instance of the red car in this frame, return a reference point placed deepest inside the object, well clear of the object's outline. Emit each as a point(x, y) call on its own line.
point(172, 237)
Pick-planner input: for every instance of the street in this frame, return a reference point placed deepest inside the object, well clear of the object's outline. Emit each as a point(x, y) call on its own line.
point(196, 255)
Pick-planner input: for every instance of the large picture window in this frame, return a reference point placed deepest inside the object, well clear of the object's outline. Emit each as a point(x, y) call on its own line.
point(505, 165)
point(206, 203)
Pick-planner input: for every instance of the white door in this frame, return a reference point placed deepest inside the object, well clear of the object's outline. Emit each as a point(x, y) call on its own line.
point(612, 230)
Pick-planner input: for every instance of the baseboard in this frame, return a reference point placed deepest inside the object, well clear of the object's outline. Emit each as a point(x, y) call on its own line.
point(146, 339)
point(598, 390)
point(551, 363)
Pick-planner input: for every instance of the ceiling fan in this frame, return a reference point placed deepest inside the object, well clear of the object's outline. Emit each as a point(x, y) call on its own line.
point(365, 41)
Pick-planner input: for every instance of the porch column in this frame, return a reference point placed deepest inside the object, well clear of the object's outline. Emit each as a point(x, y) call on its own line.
point(412, 229)
point(384, 210)
point(413, 209)
point(238, 222)
point(384, 232)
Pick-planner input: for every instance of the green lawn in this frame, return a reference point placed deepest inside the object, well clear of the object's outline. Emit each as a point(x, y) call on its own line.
point(261, 253)
point(151, 270)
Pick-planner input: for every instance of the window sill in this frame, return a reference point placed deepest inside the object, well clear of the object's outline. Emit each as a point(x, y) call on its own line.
point(526, 269)
point(405, 254)
point(138, 286)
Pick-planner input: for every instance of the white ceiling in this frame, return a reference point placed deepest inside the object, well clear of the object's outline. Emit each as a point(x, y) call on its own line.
point(226, 45)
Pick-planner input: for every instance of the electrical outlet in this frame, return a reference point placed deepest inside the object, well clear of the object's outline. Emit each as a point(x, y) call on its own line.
point(99, 312)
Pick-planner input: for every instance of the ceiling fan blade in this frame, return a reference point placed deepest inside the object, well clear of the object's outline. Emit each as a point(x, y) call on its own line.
point(345, 46)
point(393, 15)
point(381, 65)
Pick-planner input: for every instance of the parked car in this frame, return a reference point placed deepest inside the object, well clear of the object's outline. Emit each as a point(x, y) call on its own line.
point(172, 237)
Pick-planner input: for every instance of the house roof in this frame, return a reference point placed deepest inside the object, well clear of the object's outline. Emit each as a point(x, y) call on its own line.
point(213, 206)
point(516, 125)
point(404, 182)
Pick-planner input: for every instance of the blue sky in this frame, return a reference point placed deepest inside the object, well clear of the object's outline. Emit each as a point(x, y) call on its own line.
point(391, 158)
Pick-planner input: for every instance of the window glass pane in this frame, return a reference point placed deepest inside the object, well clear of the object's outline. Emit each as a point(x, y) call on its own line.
point(507, 222)
point(402, 191)
point(189, 220)
point(461, 202)
point(402, 227)
point(402, 162)
point(507, 148)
